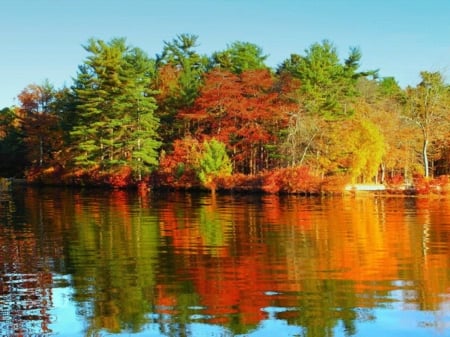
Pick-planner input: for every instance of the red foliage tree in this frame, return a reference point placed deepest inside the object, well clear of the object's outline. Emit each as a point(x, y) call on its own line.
point(41, 126)
point(243, 111)
point(176, 168)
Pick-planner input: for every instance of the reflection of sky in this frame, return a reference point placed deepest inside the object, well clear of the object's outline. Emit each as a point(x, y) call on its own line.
point(65, 321)
point(415, 323)
point(392, 320)
point(275, 327)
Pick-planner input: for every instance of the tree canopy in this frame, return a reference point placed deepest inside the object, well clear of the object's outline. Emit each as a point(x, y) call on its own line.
point(144, 118)
point(116, 125)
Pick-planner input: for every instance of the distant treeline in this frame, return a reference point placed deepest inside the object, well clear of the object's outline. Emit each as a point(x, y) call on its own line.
point(182, 119)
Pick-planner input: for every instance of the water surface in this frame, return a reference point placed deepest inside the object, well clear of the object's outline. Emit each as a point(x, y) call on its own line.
point(113, 263)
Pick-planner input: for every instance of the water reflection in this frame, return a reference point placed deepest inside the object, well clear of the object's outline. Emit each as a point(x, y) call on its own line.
point(25, 278)
point(187, 265)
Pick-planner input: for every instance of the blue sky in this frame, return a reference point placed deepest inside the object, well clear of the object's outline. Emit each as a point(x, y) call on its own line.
point(42, 39)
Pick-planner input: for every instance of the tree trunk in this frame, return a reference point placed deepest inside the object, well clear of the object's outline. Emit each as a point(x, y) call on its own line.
point(41, 151)
point(425, 158)
point(383, 173)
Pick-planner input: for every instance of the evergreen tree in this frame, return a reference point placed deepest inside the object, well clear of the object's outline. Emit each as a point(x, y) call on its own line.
point(213, 163)
point(143, 140)
point(179, 75)
point(239, 57)
point(327, 86)
point(115, 126)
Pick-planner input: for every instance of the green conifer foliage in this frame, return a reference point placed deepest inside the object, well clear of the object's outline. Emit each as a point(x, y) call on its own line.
point(179, 71)
point(327, 85)
point(116, 126)
point(213, 163)
point(239, 57)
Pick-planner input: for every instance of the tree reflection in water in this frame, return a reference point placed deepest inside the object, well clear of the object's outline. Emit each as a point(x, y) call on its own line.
point(175, 264)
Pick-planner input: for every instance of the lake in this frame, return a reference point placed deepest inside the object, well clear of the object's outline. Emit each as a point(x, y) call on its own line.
point(114, 263)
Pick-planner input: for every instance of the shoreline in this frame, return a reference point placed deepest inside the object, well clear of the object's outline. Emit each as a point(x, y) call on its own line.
point(350, 189)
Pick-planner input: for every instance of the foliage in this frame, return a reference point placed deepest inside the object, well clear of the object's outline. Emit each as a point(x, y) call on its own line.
point(427, 108)
point(239, 182)
point(36, 99)
point(43, 139)
point(240, 57)
point(328, 86)
point(12, 145)
point(122, 178)
point(179, 71)
point(291, 180)
point(116, 125)
point(213, 163)
point(40, 123)
point(133, 120)
point(368, 148)
point(244, 111)
point(177, 168)
point(388, 87)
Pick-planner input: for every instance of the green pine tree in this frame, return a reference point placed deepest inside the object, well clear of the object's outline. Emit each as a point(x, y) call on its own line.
point(116, 126)
point(213, 163)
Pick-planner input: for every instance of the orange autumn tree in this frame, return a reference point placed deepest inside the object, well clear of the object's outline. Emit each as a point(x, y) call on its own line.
point(41, 125)
point(177, 167)
point(243, 111)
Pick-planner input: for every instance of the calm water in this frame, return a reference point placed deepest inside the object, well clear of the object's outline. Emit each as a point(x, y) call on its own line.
point(96, 263)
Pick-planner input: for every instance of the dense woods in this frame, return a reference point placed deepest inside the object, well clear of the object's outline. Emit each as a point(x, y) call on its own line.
point(228, 121)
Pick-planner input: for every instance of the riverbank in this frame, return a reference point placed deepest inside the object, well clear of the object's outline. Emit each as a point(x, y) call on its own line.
point(296, 180)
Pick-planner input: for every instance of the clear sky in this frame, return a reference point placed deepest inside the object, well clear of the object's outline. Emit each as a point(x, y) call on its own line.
point(42, 39)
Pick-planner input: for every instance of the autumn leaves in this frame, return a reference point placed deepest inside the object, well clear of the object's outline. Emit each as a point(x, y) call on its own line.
point(129, 118)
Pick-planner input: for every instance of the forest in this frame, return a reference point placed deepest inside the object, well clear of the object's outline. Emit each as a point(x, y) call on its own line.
point(227, 121)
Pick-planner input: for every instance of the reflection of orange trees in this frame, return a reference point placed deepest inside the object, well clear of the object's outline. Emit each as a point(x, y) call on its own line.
point(228, 290)
point(233, 286)
point(364, 244)
point(369, 241)
point(47, 212)
point(346, 240)
point(431, 252)
point(177, 225)
point(288, 210)
point(28, 252)
point(227, 267)
point(25, 286)
point(363, 252)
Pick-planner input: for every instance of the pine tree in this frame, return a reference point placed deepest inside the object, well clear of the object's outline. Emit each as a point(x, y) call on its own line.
point(327, 86)
point(240, 57)
point(116, 126)
point(213, 163)
point(179, 76)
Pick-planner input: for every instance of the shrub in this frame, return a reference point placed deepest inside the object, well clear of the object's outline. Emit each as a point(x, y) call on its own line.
point(421, 184)
point(296, 180)
point(334, 184)
point(121, 178)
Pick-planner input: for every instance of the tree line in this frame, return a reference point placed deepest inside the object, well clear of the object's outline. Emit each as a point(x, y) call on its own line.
point(183, 119)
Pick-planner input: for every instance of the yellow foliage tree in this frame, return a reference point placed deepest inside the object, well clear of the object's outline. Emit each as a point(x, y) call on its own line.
point(369, 148)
